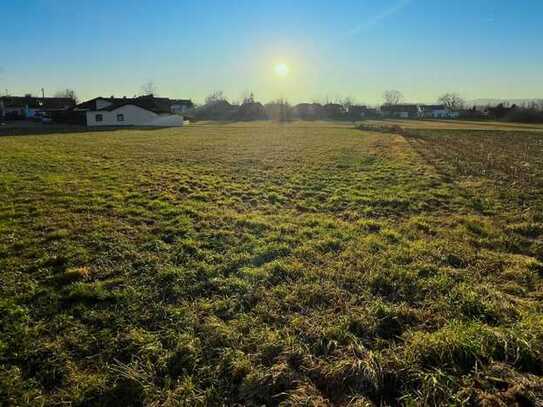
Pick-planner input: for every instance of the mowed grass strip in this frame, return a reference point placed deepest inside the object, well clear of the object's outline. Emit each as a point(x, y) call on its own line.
point(295, 264)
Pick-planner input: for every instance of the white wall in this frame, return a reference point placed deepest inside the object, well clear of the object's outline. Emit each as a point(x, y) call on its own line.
point(133, 116)
point(169, 120)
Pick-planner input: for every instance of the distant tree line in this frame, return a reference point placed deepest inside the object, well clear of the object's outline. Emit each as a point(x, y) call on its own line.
point(218, 107)
point(527, 113)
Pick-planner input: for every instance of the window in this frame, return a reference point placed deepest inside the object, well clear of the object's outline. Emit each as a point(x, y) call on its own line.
point(99, 118)
point(120, 117)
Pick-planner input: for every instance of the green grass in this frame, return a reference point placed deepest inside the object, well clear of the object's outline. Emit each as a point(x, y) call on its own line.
point(296, 264)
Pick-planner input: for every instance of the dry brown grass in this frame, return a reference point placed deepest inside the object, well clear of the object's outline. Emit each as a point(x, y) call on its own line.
point(456, 124)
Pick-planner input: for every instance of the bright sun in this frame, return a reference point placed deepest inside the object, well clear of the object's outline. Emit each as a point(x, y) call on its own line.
point(281, 70)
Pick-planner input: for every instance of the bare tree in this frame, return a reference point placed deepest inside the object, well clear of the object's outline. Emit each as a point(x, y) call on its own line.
point(67, 93)
point(347, 102)
point(392, 97)
point(215, 97)
point(248, 97)
point(149, 88)
point(452, 101)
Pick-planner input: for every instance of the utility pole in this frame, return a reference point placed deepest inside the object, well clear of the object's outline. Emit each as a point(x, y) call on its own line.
point(42, 93)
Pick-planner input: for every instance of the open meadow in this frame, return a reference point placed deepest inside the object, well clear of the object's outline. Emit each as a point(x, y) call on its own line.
point(264, 263)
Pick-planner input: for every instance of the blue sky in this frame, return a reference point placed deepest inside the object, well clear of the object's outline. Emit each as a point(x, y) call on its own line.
point(356, 48)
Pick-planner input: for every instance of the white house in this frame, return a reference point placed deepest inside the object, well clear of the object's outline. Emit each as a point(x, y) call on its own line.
point(438, 112)
point(145, 111)
point(131, 115)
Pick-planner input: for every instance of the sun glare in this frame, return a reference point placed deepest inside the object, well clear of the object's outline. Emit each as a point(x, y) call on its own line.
point(281, 70)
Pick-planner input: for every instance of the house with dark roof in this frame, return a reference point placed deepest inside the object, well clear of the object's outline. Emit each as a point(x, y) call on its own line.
point(401, 111)
point(27, 107)
point(357, 112)
point(309, 111)
point(334, 111)
point(139, 111)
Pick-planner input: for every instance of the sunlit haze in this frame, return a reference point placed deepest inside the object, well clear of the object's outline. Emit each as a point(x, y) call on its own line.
point(281, 69)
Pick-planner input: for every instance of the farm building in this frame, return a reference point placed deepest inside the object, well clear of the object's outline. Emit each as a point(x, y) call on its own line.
point(139, 111)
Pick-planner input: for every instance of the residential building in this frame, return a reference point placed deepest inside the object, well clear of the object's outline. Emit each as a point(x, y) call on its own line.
point(139, 111)
point(334, 111)
point(308, 111)
point(438, 112)
point(27, 107)
point(356, 112)
point(401, 111)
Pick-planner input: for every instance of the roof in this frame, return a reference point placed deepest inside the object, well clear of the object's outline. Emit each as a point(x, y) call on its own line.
point(400, 108)
point(51, 103)
point(358, 108)
point(149, 102)
point(433, 107)
point(113, 107)
point(308, 106)
point(333, 108)
point(91, 104)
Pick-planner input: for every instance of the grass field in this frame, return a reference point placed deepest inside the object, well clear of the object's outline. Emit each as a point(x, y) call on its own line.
point(266, 264)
